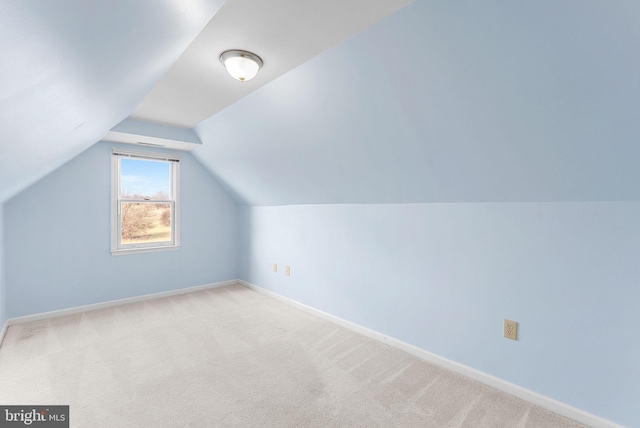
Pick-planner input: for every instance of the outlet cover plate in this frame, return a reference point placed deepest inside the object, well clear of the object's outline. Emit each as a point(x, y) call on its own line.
point(510, 329)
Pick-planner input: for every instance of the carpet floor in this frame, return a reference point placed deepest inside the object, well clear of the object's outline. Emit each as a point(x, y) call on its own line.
point(232, 357)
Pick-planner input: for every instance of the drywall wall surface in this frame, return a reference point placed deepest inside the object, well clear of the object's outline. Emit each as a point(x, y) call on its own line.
point(444, 276)
point(446, 101)
point(3, 298)
point(76, 70)
point(58, 233)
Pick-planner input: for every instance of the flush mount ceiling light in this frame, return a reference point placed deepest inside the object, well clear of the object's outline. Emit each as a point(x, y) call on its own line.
point(241, 65)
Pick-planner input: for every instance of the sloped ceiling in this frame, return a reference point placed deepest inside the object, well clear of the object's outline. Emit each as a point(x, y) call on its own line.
point(447, 101)
point(284, 33)
point(72, 69)
point(443, 101)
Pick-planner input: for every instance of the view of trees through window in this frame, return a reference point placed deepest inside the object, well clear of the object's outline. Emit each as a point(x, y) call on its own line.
point(145, 202)
point(145, 222)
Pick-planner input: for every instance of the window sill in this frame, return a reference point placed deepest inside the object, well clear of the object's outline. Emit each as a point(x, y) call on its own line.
point(126, 251)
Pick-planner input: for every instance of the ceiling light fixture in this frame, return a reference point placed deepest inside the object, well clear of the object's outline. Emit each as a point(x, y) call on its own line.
point(241, 65)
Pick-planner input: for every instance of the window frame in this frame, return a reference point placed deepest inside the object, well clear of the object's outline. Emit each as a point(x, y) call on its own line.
point(117, 247)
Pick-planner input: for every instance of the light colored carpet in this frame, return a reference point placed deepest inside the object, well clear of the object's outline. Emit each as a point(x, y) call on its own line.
point(232, 357)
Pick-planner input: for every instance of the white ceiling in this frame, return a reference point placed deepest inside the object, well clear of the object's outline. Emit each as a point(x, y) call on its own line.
point(284, 33)
point(71, 70)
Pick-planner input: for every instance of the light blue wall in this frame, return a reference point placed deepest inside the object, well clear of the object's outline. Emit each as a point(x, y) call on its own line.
point(77, 69)
point(447, 101)
point(443, 277)
point(57, 236)
point(3, 298)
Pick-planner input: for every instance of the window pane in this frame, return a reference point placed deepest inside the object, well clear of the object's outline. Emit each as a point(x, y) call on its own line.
point(144, 179)
point(145, 222)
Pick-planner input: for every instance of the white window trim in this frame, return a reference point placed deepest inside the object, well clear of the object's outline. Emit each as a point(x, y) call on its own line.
point(118, 249)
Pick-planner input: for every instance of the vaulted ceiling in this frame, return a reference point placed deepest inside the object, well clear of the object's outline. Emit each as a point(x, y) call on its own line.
point(285, 33)
point(71, 70)
point(455, 101)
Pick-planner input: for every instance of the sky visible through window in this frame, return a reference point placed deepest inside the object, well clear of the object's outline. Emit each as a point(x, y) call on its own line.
point(144, 177)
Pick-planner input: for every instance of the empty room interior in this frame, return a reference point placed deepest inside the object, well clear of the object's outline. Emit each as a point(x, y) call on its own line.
point(324, 213)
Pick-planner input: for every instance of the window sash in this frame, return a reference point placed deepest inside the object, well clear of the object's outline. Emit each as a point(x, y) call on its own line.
point(144, 155)
point(117, 201)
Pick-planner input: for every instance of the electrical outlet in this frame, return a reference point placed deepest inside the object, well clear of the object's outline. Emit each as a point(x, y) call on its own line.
point(287, 271)
point(275, 267)
point(511, 329)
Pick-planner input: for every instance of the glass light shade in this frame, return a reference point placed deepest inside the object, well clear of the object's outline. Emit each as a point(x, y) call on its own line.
point(241, 65)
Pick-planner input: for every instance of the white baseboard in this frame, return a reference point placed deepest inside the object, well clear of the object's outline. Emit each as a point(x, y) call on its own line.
point(492, 381)
point(487, 379)
point(110, 303)
point(3, 330)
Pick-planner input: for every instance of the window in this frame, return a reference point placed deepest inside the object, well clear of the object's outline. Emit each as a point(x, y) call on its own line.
point(145, 208)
